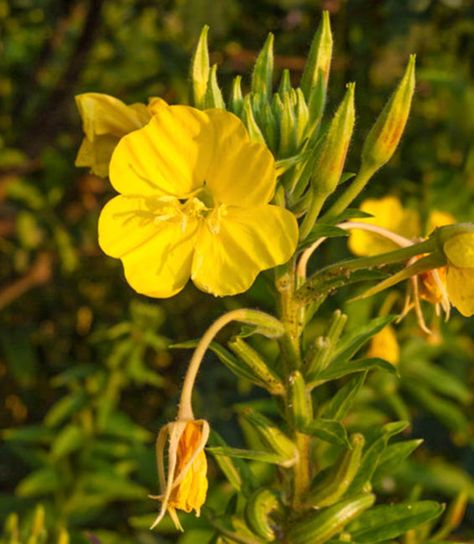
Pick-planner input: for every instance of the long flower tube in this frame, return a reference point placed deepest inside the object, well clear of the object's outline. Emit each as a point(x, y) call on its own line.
point(184, 481)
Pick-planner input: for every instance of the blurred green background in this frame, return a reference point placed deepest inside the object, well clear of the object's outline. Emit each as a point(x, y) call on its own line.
point(86, 374)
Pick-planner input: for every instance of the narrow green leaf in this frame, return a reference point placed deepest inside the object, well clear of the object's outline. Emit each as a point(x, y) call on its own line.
point(68, 440)
point(383, 522)
point(352, 342)
point(64, 408)
point(328, 430)
point(39, 482)
point(338, 407)
point(253, 455)
point(236, 471)
point(338, 370)
point(393, 455)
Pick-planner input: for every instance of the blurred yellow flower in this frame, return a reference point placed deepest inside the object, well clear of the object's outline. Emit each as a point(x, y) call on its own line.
point(384, 345)
point(184, 486)
point(387, 213)
point(459, 251)
point(194, 203)
point(105, 120)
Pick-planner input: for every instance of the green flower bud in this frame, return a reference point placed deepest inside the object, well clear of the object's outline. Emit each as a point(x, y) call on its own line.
point(236, 99)
point(272, 436)
point(299, 400)
point(257, 513)
point(318, 528)
point(200, 69)
point(384, 136)
point(213, 98)
point(338, 479)
point(319, 57)
point(331, 152)
point(254, 130)
point(262, 77)
point(258, 366)
point(287, 129)
point(285, 83)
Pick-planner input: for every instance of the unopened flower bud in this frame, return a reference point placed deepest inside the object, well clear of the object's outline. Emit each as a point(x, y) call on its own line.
point(331, 153)
point(200, 69)
point(319, 57)
point(383, 138)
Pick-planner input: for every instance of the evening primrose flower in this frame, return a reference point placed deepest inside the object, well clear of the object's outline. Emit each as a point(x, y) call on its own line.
point(194, 203)
point(105, 120)
point(459, 251)
point(184, 484)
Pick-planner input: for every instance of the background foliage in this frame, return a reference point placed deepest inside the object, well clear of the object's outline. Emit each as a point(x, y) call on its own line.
point(87, 376)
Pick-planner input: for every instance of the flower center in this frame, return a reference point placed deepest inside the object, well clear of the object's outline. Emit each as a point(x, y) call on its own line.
point(198, 205)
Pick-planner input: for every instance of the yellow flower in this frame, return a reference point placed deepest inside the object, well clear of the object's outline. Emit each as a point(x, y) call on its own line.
point(387, 213)
point(194, 203)
point(384, 345)
point(105, 120)
point(184, 486)
point(459, 251)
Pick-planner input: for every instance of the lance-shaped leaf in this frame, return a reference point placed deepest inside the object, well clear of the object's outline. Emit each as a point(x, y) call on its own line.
point(340, 369)
point(262, 76)
point(200, 69)
point(393, 455)
point(319, 57)
point(252, 455)
point(320, 527)
point(372, 455)
point(384, 522)
point(235, 470)
point(330, 431)
point(340, 404)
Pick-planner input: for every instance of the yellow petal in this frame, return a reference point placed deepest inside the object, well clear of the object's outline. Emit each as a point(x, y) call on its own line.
point(460, 284)
point(170, 155)
point(460, 250)
point(156, 255)
point(97, 155)
point(388, 213)
point(438, 218)
point(104, 114)
point(242, 172)
point(384, 345)
point(228, 258)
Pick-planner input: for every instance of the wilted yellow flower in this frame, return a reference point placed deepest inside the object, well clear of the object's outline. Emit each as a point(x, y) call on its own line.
point(384, 345)
point(194, 203)
point(105, 120)
point(184, 484)
point(459, 251)
point(387, 213)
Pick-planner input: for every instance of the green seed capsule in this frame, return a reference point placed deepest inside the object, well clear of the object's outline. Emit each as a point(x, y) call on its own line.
point(337, 481)
point(299, 401)
point(257, 513)
point(318, 528)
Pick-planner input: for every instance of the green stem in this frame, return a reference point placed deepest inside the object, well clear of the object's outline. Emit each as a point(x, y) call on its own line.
point(317, 202)
point(352, 192)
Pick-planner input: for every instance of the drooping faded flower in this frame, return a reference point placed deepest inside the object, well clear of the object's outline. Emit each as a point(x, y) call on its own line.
point(184, 482)
point(105, 120)
point(194, 203)
point(459, 251)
